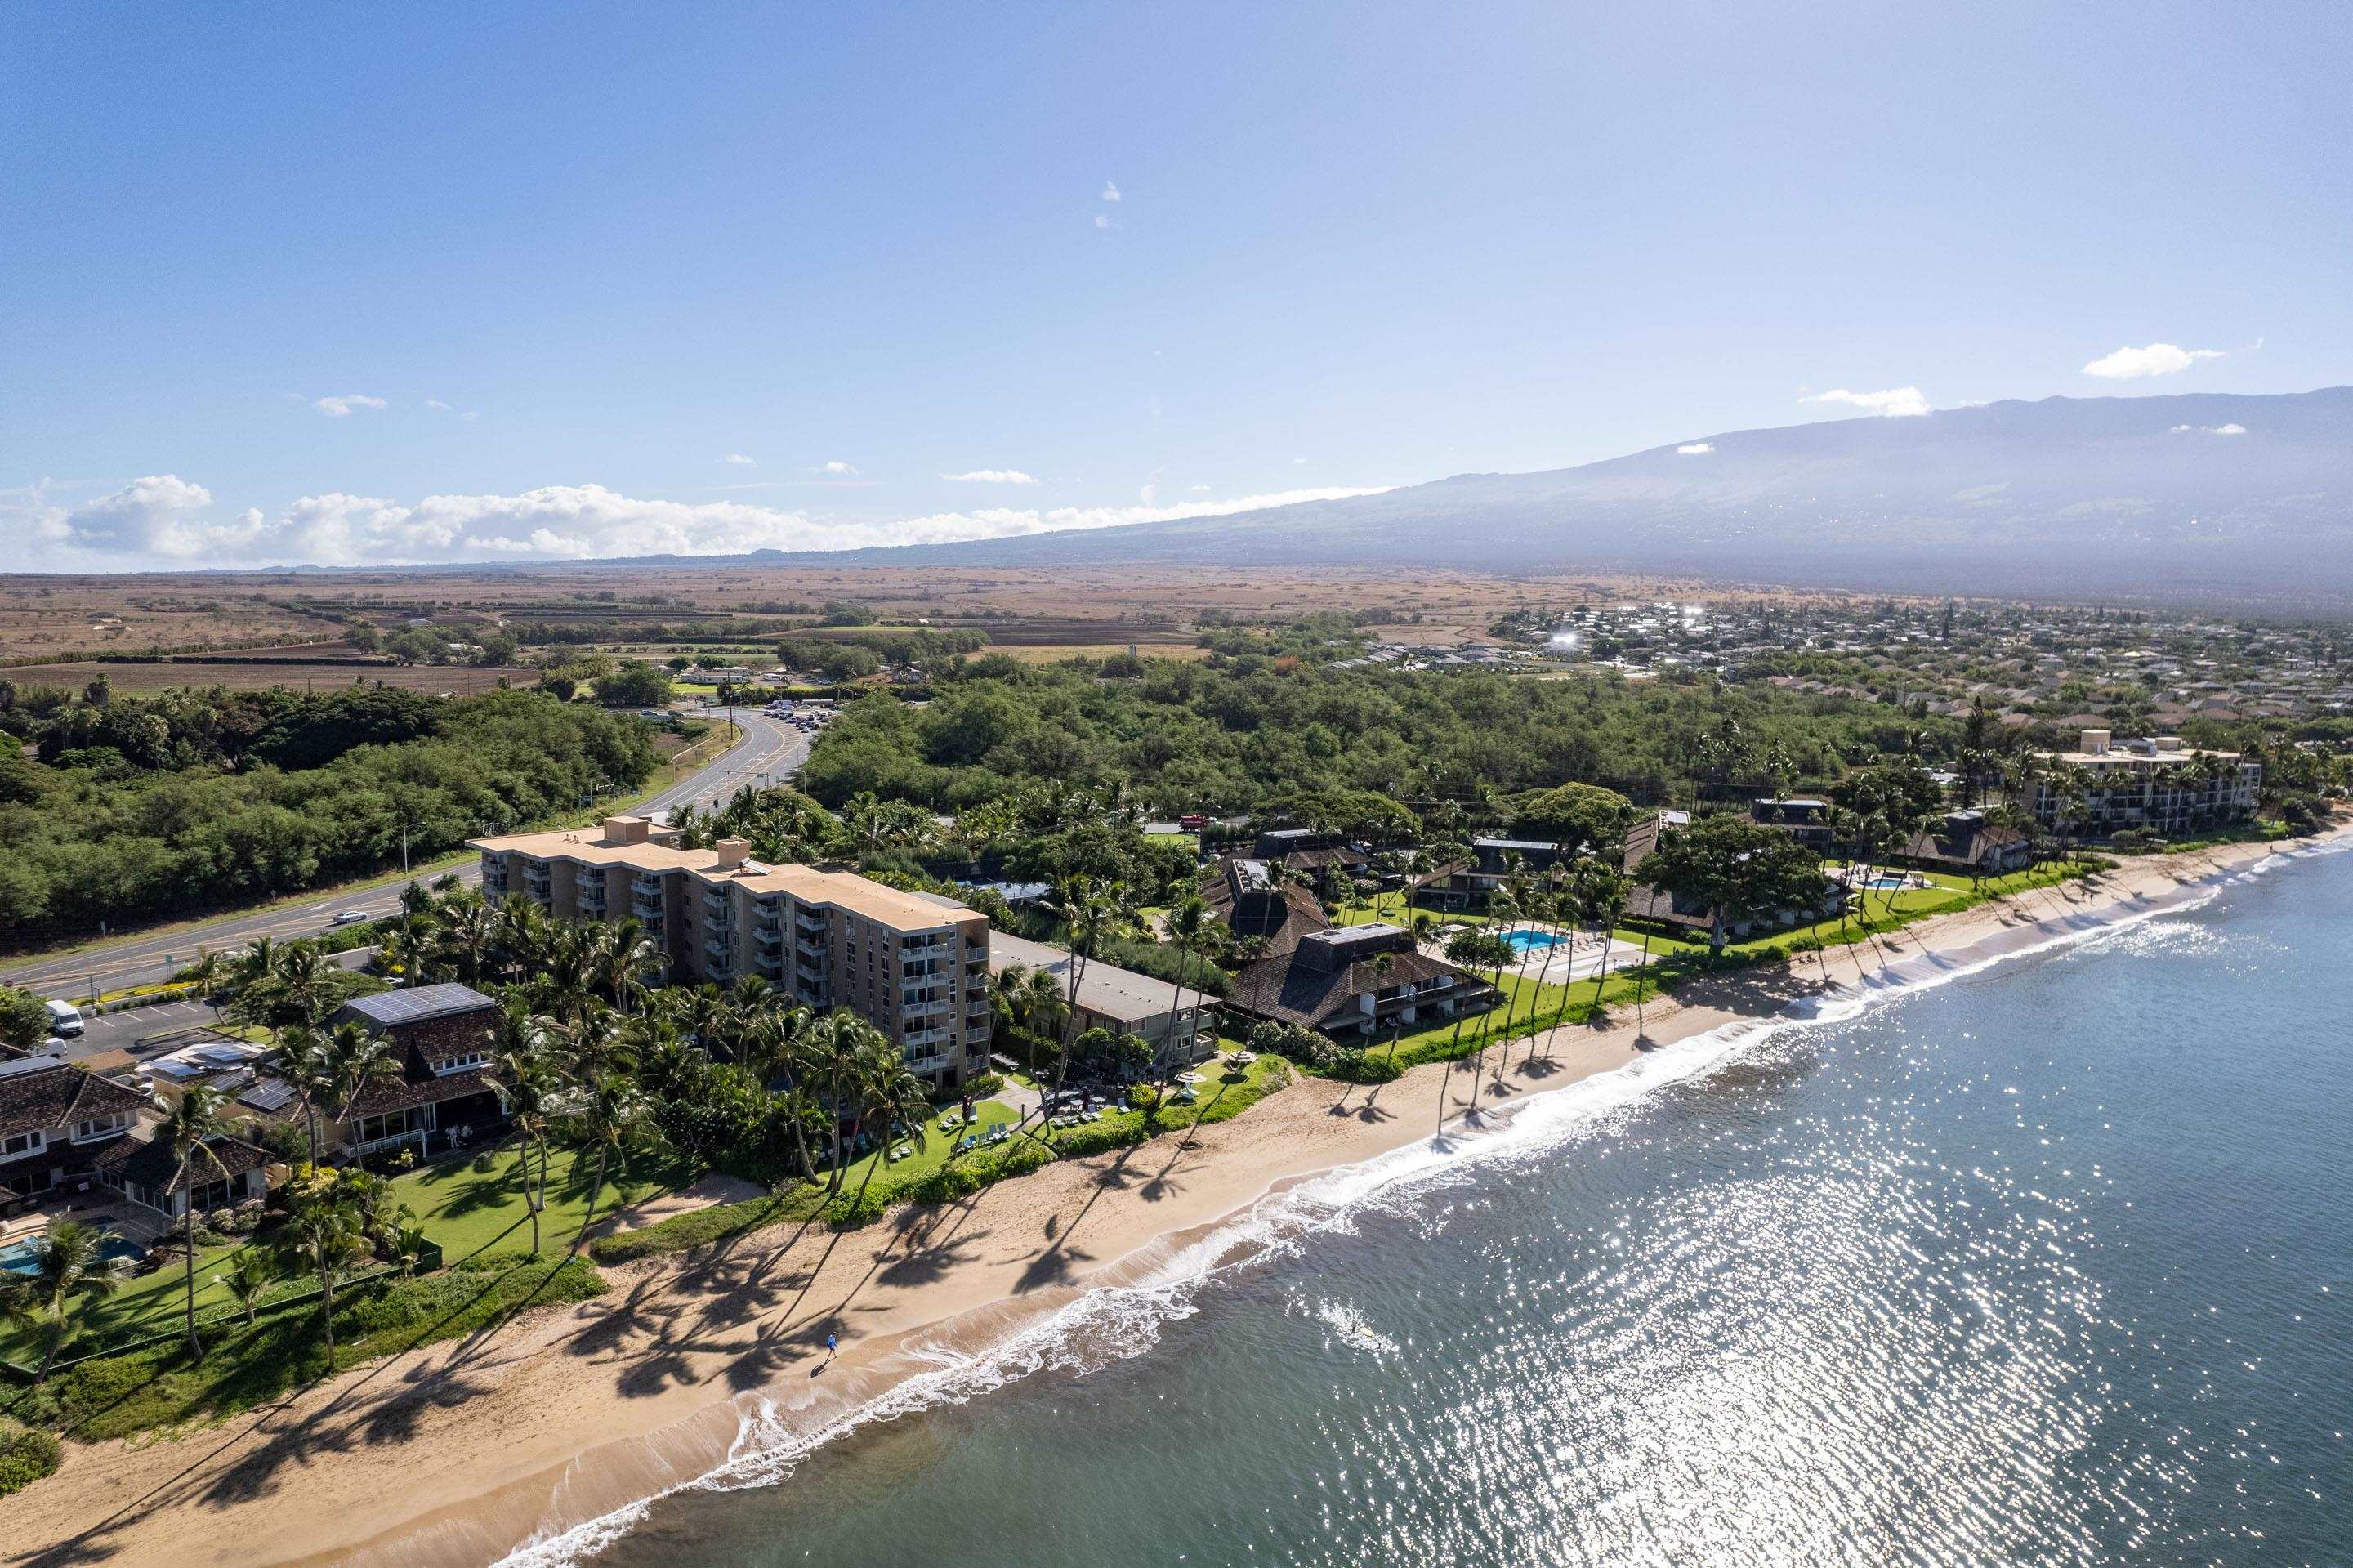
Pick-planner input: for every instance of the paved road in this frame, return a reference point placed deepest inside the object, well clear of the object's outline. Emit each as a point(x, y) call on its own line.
point(770, 752)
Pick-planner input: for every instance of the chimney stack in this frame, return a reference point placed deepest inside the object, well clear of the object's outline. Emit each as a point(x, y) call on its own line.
point(624, 829)
point(733, 853)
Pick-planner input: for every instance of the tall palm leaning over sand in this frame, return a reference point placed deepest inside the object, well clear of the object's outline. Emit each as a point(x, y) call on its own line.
point(187, 1129)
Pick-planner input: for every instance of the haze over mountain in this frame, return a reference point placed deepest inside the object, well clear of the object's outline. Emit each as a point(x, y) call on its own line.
point(2201, 495)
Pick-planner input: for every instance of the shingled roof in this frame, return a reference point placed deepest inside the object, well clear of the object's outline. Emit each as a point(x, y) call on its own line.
point(152, 1164)
point(50, 1091)
point(1292, 991)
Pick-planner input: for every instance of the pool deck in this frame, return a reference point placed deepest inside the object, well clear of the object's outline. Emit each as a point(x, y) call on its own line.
point(1571, 960)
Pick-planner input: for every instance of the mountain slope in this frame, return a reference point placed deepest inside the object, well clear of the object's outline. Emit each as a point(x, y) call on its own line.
point(2204, 494)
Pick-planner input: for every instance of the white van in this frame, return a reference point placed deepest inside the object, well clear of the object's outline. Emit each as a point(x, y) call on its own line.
point(65, 1019)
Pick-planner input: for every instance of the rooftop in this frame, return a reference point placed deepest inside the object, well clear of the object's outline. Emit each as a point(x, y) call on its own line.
point(1105, 989)
point(414, 1006)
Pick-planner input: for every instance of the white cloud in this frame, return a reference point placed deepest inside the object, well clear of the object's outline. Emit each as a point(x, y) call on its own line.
point(740, 460)
point(1199, 489)
point(1896, 402)
point(2229, 430)
point(835, 467)
point(993, 476)
point(2234, 429)
point(158, 517)
point(1110, 192)
point(1693, 448)
point(437, 403)
point(2157, 359)
point(1102, 220)
point(161, 520)
point(341, 407)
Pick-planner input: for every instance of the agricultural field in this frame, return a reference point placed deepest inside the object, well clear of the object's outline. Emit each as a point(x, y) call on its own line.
point(140, 680)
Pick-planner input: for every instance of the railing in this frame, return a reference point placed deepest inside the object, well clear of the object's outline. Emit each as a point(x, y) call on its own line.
point(925, 1037)
point(815, 951)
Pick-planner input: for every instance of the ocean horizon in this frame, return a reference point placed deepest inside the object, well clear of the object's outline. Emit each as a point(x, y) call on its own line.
point(2029, 1258)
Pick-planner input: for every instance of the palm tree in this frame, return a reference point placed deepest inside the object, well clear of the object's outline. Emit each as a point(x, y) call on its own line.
point(840, 1065)
point(781, 1041)
point(69, 1266)
point(895, 1101)
point(249, 1277)
point(1088, 915)
point(1185, 922)
point(1604, 899)
point(326, 1229)
point(524, 1076)
point(604, 1114)
point(355, 1062)
point(187, 1131)
point(206, 975)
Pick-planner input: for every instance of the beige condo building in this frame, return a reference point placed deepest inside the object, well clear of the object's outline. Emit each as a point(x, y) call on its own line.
point(916, 967)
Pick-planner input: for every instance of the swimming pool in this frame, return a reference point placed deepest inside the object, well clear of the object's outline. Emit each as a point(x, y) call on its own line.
point(1889, 882)
point(1525, 942)
point(24, 1257)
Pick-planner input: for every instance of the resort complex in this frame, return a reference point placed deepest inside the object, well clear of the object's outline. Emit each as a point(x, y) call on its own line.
point(2155, 785)
point(916, 969)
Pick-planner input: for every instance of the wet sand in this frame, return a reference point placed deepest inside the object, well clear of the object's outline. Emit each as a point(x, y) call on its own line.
point(462, 1452)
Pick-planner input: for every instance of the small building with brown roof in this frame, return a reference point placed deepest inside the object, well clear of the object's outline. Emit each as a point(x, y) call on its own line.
point(1357, 982)
point(55, 1118)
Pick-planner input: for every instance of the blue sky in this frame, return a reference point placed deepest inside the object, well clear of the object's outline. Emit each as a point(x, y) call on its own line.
point(492, 282)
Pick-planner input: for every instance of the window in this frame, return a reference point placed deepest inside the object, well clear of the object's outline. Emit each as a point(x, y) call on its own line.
point(23, 1143)
point(391, 1124)
point(459, 1064)
point(220, 1195)
point(101, 1128)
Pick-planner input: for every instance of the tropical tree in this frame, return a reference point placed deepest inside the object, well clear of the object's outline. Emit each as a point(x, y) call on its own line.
point(1735, 869)
point(524, 1073)
point(608, 1114)
point(187, 1129)
point(325, 1231)
point(247, 1278)
point(71, 1270)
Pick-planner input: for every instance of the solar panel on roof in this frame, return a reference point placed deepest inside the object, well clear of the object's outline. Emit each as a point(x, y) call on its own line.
point(425, 1002)
point(269, 1094)
point(18, 1065)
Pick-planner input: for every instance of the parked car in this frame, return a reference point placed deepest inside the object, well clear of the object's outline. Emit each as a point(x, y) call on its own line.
point(65, 1019)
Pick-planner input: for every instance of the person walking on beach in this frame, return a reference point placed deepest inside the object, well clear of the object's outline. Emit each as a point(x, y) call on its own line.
point(832, 1343)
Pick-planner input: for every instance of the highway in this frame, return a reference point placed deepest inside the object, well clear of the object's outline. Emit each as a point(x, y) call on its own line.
point(770, 752)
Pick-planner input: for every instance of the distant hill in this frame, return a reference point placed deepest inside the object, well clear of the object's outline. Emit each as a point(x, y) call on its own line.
point(2243, 499)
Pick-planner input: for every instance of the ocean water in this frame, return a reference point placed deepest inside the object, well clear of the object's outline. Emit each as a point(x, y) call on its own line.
point(2049, 1262)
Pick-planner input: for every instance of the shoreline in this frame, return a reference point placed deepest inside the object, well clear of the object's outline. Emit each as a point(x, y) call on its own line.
point(687, 1363)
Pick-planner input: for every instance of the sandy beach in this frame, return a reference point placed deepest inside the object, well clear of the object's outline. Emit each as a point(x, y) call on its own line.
point(461, 1452)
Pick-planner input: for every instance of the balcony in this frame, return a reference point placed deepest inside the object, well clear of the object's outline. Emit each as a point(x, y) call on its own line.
point(646, 908)
point(924, 1009)
point(922, 971)
point(809, 926)
point(915, 1038)
point(813, 952)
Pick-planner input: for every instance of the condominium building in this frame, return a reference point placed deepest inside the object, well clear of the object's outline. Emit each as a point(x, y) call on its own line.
point(916, 969)
point(2156, 784)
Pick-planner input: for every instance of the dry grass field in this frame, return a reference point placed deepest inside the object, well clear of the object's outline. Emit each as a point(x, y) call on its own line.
point(1030, 614)
point(456, 680)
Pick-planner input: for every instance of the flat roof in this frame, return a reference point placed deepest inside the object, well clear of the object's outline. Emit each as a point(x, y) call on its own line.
point(1105, 989)
point(847, 890)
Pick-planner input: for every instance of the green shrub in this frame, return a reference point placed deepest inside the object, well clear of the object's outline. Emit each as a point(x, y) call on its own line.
point(700, 1227)
point(982, 1085)
point(26, 1456)
point(1355, 1067)
point(1114, 1131)
point(854, 1209)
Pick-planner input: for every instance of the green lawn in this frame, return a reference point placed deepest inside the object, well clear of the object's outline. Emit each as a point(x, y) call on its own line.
point(932, 1153)
point(159, 1387)
point(469, 1212)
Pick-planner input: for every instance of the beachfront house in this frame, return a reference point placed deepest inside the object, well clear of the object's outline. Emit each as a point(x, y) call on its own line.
point(1266, 913)
point(227, 1172)
point(444, 1096)
point(1356, 983)
point(1802, 817)
point(1966, 843)
point(1686, 916)
point(56, 1119)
